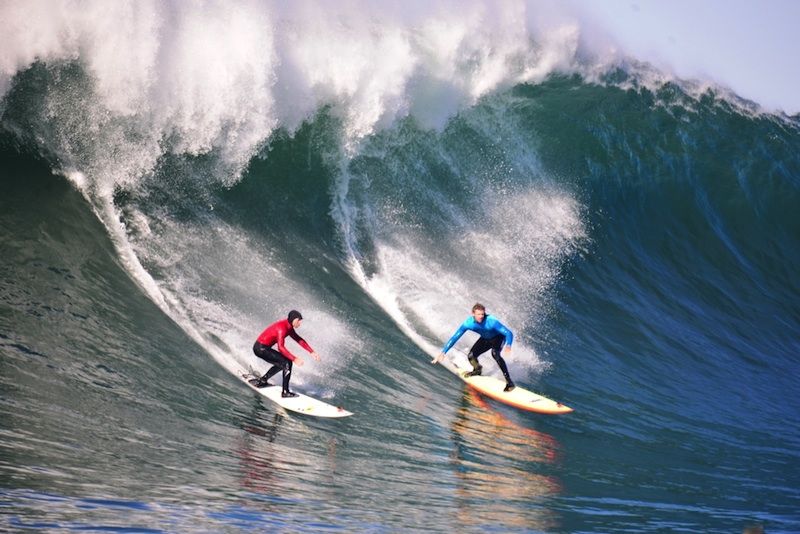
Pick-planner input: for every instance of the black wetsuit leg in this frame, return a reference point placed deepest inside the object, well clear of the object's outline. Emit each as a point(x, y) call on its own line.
point(482, 345)
point(279, 363)
point(497, 346)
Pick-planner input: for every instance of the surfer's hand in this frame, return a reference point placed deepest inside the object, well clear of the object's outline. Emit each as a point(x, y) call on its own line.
point(299, 361)
point(438, 358)
point(315, 355)
point(507, 350)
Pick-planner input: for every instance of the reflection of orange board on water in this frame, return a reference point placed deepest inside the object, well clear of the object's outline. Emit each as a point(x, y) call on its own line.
point(519, 397)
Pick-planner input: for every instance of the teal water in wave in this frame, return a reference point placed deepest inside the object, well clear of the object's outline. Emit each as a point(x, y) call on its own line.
point(642, 243)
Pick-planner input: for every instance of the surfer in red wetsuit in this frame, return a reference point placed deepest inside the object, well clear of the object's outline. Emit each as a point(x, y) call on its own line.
point(280, 359)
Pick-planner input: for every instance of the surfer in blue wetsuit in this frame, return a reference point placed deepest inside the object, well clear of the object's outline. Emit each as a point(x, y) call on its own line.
point(494, 335)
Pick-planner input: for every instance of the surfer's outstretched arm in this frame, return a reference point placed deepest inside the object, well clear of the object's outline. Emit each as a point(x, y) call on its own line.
point(302, 342)
point(452, 341)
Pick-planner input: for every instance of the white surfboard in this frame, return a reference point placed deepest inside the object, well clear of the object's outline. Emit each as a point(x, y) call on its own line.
point(301, 404)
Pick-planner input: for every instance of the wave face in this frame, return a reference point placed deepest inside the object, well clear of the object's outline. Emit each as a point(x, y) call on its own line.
point(381, 170)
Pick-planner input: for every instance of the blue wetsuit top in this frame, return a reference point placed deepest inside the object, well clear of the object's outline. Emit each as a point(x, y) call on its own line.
point(489, 328)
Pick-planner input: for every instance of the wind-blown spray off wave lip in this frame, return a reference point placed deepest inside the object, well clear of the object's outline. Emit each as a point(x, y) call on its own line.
point(127, 84)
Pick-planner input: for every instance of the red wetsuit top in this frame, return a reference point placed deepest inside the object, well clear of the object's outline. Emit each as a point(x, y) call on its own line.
point(277, 332)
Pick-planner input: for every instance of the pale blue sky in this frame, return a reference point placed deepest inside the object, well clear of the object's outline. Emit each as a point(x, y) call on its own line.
point(752, 47)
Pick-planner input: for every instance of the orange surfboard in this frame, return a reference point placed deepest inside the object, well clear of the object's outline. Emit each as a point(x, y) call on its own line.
point(519, 397)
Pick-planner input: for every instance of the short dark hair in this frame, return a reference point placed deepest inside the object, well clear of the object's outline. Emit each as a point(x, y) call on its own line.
point(294, 314)
point(478, 306)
